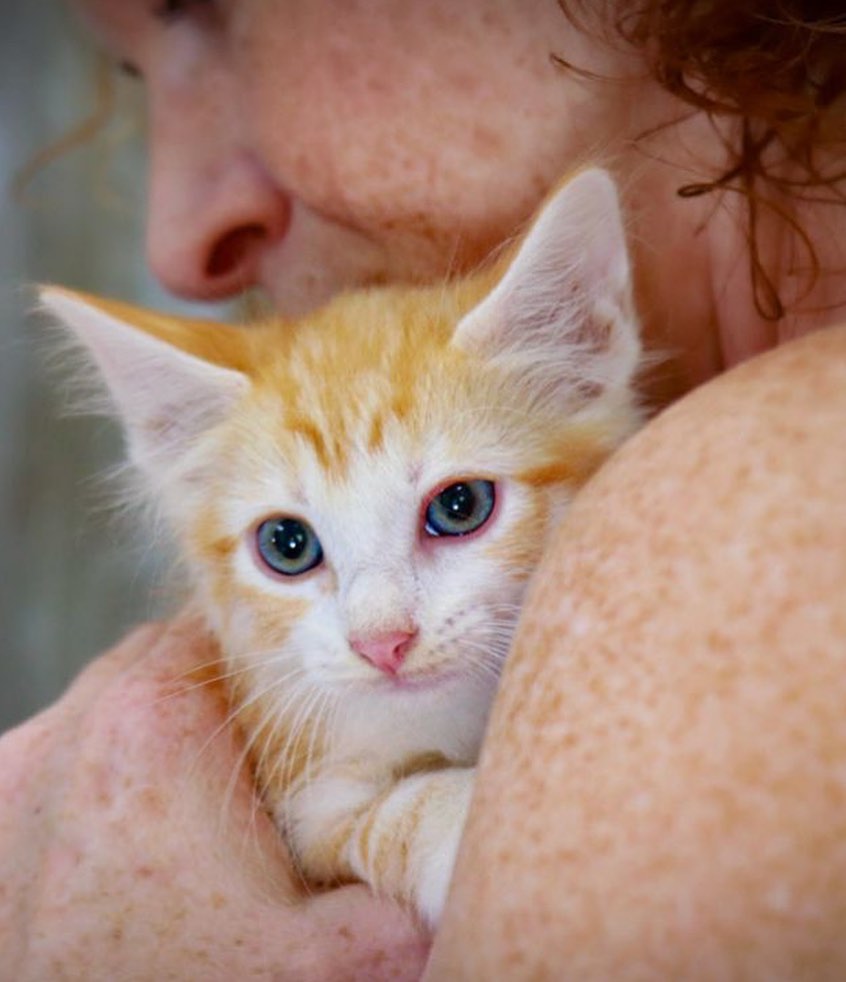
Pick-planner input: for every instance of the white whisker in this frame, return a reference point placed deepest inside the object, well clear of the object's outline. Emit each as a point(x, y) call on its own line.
point(249, 742)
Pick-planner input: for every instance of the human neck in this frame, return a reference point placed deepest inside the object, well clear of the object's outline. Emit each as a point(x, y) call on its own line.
point(692, 255)
point(693, 260)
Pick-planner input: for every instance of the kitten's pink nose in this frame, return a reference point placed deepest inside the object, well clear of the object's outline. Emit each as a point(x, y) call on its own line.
point(385, 651)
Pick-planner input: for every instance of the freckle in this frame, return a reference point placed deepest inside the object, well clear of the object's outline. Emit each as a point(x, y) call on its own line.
point(344, 932)
point(515, 959)
point(504, 857)
point(487, 140)
point(179, 914)
point(217, 900)
point(152, 801)
point(551, 705)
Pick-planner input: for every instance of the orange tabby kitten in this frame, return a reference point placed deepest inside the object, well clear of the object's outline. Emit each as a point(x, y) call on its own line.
point(361, 497)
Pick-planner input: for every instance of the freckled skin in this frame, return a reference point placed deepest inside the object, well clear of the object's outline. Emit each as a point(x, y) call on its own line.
point(673, 709)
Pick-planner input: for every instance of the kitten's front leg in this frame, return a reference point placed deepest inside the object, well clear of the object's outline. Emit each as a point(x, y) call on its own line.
point(405, 843)
point(401, 838)
point(318, 817)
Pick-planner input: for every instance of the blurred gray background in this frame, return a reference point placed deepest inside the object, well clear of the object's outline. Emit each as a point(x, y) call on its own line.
point(73, 577)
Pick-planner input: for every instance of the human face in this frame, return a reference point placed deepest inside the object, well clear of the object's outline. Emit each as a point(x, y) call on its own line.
point(308, 147)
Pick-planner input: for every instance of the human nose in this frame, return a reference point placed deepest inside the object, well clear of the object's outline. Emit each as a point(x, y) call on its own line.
point(213, 212)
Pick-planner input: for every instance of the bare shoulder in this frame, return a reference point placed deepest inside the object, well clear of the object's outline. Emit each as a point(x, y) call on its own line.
point(663, 792)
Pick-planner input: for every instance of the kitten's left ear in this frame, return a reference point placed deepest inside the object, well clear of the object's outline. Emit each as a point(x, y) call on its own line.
point(561, 319)
point(164, 389)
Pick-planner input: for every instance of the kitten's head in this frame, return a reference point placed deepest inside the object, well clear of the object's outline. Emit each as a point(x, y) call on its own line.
point(362, 495)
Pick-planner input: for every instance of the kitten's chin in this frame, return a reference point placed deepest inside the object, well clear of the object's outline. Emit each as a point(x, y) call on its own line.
point(411, 682)
point(419, 681)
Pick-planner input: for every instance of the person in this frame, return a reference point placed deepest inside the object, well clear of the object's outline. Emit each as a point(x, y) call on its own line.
point(661, 793)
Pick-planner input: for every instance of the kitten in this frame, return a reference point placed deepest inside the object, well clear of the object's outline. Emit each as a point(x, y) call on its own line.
point(361, 497)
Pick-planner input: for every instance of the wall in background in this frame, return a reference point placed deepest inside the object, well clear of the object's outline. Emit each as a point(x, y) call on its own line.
point(73, 578)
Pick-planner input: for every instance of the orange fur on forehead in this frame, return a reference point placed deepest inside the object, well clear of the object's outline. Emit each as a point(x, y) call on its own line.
point(337, 380)
point(392, 333)
point(376, 346)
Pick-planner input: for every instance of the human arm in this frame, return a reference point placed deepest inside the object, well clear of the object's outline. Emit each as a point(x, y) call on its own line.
point(126, 853)
point(661, 793)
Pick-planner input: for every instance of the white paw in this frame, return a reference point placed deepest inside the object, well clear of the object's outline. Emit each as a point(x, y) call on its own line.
point(311, 816)
point(437, 868)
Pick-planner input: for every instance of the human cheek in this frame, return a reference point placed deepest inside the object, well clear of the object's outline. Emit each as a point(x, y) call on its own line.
point(331, 126)
point(384, 124)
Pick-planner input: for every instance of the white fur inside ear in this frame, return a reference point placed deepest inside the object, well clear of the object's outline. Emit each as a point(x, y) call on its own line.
point(562, 315)
point(164, 396)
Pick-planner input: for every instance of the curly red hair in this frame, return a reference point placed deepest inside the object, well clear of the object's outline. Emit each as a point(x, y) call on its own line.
point(778, 67)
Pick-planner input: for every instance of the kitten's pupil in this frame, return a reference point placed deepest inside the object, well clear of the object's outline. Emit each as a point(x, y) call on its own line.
point(460, 508)
point(288, 546)
point(458, 501)
point(290, 539)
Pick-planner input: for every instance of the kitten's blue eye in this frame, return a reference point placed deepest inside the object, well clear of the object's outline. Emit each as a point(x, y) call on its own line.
point(288, 546)
point(460, 508)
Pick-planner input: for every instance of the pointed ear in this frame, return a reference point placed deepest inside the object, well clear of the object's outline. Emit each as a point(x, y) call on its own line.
point(561, 318)
point(164, 395)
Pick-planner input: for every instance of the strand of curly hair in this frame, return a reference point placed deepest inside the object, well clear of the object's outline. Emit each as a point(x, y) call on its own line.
point(776, 67)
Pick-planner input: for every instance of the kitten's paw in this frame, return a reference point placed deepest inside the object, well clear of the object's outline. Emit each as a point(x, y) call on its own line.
point(316, 821)
point(437, 868)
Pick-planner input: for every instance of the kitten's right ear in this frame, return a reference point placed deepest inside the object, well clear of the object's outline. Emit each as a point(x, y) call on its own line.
point(165, 395)
point(561, 320)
